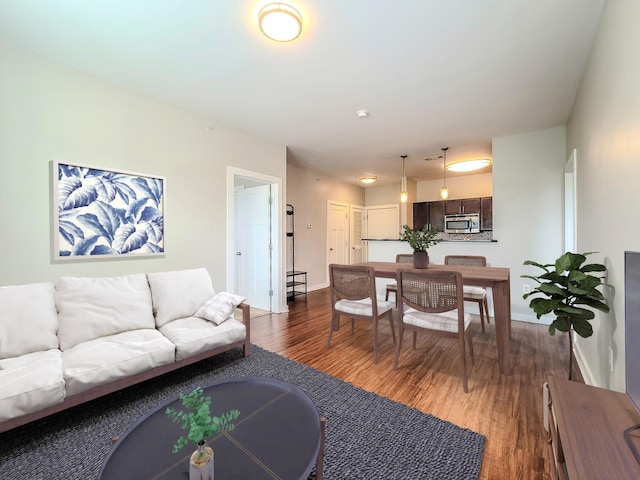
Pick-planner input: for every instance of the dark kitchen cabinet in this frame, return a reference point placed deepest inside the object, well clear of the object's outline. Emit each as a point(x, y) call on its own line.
point(462, 205)
point(420, 214)
point(437, 216)
point(486, 213)
point(429, 213)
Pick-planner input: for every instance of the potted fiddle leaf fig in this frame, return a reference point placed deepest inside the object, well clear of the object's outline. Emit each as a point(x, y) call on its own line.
point(420, 240)
point(200, 424)
point(569, 290)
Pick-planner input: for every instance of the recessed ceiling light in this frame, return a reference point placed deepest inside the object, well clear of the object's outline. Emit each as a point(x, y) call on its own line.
point(367, 178)
point(362, 114)
point(469, 165)
point(280, 22)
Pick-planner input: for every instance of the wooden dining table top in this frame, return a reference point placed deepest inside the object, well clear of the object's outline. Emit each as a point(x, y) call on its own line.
point(472, 275)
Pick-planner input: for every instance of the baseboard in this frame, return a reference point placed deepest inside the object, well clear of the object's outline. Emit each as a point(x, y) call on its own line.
point(585, 372)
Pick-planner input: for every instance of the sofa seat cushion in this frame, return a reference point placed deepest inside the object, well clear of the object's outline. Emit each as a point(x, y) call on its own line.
point(91, 308)
point(193, 335)
point(30, 383)
point(178, 294)
point(106, 359)
point(28, 319)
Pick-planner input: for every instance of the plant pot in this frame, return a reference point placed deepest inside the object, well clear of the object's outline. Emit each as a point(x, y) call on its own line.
point(201, 463)
point(420, 260)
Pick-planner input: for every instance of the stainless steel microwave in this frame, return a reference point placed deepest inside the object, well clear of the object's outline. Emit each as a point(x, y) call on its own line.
point(462, 223)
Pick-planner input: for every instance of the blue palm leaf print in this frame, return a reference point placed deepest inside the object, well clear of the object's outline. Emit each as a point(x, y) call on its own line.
point(73, 194)
point(129, 239)
point(108, 213)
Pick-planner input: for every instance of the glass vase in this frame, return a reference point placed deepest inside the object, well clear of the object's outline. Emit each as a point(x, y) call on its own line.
point(201, 463)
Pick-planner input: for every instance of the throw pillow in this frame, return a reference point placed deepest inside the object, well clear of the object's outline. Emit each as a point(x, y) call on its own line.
point(220, 307)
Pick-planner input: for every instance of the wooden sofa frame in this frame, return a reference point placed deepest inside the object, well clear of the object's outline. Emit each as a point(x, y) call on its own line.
point(128, 381)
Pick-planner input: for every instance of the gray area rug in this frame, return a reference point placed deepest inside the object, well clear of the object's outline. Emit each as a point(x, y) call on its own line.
point(368, 436)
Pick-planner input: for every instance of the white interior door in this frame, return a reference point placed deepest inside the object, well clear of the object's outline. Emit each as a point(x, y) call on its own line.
point(356, 234)
point(337, 229)
point(253, 245)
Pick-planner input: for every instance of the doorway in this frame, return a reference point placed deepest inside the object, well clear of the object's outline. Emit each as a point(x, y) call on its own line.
point(337, 233)
point(570, 205)
point(254, 229)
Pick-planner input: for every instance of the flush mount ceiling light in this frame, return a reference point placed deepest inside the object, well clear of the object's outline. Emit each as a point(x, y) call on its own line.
point(367, 178)
point(469, 165)
point(280, 22)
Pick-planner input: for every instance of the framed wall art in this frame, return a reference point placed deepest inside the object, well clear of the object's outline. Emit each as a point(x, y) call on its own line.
point(102, 213)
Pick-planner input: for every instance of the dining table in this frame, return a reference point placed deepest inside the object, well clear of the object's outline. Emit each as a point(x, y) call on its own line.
point(496, 278)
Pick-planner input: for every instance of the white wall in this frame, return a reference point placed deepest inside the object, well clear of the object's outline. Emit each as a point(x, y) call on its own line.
point(308, 191)
point(51, 111)
point(604, 127)
point(467, 186)
point(528, 182)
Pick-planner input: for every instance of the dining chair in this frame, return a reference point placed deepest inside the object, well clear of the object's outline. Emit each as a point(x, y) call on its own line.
point(471, 293)
point(393, 287)
point(432, 301)
point(353, 295)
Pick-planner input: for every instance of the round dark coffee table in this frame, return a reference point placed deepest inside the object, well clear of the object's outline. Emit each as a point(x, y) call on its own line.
point(277, 436)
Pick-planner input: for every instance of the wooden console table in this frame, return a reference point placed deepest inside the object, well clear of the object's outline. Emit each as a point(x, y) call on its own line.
point(586, 432)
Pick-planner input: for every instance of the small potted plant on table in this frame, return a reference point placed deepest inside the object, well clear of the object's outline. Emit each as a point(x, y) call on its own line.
point(201, 425)
point(420, 240)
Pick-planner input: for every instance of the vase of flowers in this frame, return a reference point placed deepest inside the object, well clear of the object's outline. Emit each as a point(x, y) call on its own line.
point(200, 425)
point(420, 240)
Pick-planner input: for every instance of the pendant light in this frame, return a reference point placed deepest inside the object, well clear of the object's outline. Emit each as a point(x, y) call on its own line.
point(403, 183)
point(444, 191)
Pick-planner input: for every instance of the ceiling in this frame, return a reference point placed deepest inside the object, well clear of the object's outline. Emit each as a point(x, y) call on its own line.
point(431, 73)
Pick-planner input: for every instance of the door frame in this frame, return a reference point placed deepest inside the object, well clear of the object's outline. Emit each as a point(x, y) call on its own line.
point(328, 233)
point(279, 304)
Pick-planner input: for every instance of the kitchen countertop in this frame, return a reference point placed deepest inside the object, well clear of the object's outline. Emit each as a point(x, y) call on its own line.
point(486, 237)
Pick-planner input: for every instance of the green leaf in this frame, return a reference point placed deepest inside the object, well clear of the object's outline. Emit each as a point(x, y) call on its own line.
point(582, 327)
point(576, 312)
point(542, 306)
point(560, 324)
point(552, 289)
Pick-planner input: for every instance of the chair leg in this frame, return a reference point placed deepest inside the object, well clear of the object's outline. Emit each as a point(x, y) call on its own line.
point(415, 339)
point(398, 345)
point(481, 315)
point(470, 343)
point(386, 295)
point(332, 327)
point(375, 340)
point(393, 330)
point(463, 359)
point(486, 309)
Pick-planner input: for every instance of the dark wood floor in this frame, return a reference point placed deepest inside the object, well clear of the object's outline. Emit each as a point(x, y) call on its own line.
point(506, 409)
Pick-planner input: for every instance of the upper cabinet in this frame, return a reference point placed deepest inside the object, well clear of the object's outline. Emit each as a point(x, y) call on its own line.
point(486, 213)
point(432, 213)
point(429, 213)
point(463, 205)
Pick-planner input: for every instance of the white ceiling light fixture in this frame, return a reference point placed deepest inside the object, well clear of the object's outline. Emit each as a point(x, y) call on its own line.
point(403, 183)
point(367, 178)
point(362, 113)
point(280, 22)
point(469, 165)
point(444, 191)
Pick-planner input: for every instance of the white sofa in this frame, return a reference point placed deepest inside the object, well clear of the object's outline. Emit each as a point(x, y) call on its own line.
point(65, 344)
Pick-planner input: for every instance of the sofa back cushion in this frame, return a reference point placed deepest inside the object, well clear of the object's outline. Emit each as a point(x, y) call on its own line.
point(28, 319)
point(179, 294)
point(90, 308)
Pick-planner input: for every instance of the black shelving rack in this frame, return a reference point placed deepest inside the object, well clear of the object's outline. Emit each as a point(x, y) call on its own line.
point(296, 279)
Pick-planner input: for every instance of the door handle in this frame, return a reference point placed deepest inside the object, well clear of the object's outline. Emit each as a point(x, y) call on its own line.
point(239, 254)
